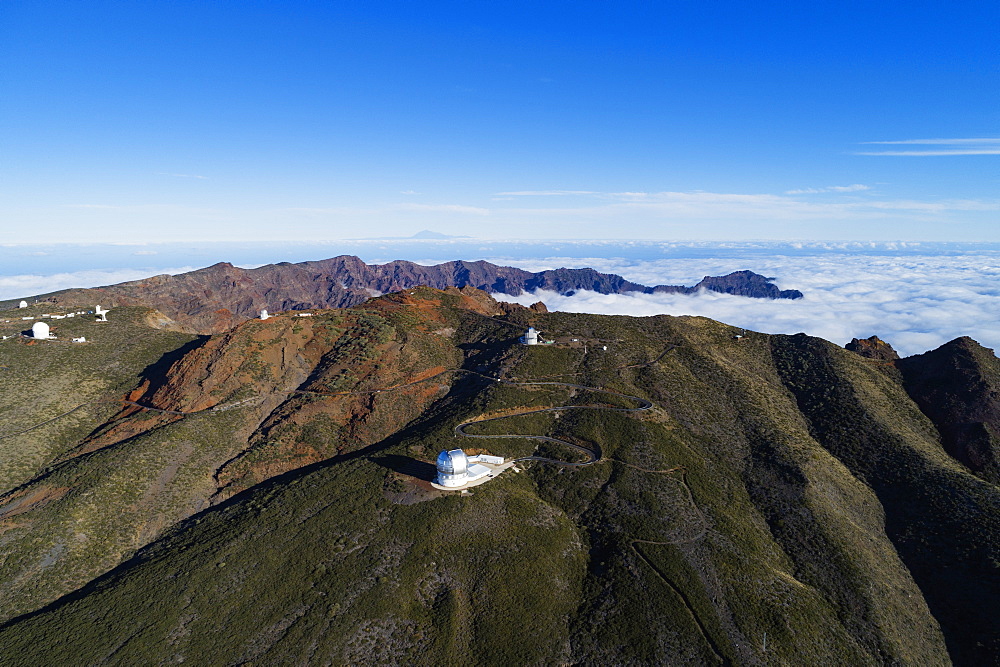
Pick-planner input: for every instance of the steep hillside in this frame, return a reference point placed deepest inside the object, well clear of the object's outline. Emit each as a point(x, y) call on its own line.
point(75, 385)
point(958, 387)
point(235, 410)
point(214, 299)
point(783, 502)
point(943, 521)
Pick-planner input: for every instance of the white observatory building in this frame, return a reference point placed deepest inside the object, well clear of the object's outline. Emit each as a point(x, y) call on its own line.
point(264, 315)
point(40, 330)
point(530, 337)
point(457, 470)
point(453, 468)
point(23, 304)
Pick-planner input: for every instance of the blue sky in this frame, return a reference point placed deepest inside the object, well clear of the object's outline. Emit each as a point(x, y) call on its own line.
point(255, 121)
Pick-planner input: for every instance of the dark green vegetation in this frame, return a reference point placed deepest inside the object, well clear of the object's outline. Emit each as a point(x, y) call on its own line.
point(785, 502)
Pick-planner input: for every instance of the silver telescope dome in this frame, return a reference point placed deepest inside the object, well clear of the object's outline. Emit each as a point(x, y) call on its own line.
point(453, 462)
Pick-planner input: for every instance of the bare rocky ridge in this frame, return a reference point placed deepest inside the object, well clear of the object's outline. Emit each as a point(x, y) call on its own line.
point(218, 297)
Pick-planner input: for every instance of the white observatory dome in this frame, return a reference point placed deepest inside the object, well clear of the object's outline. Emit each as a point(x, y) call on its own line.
point(40, 330)
point(530, 337)
point(23, 304)
point(452, 467)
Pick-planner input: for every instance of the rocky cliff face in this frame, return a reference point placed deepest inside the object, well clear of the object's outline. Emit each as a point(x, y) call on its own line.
point(872, 347)
point(216, 298)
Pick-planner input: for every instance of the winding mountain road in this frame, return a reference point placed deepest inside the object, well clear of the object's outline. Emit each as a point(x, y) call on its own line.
point(594, 455)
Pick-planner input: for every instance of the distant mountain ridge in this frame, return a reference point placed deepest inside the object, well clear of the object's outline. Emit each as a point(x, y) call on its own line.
point(218, 297)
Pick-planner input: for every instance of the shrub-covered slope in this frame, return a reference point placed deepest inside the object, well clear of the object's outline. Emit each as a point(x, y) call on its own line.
point(958, 386)
point(239, 408)
point(784, 502)
point(42, 380)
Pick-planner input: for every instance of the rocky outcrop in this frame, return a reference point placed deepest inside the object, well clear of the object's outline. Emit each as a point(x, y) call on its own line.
point(872, 347)
point(216, 298)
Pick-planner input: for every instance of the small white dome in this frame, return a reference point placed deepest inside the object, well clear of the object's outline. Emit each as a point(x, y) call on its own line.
point(40, 330)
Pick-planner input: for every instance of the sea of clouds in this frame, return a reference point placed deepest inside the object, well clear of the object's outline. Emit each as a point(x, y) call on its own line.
point(914, 302)
point(916, 296)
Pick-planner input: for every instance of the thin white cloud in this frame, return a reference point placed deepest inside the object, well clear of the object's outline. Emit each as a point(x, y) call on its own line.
point(929, 142)
point(941, 206)
point(966, 146)
point(163, 173)
point(445, 208)
point(677, 214)
point(629, 196)
point(409, 192)
point(544, 193)
point(857, 187)
point(931, 153)
point(700, 205)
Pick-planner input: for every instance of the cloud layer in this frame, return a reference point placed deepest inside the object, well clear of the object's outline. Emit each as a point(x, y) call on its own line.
point(916, 303)
point(916, 296)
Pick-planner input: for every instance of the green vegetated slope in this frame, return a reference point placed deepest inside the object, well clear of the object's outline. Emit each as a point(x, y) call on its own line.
point(118, 484)
point(784, 502)
point(958, 386)
point(41, 380)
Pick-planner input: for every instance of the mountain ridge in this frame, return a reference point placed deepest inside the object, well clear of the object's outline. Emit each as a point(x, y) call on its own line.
point(215, 298)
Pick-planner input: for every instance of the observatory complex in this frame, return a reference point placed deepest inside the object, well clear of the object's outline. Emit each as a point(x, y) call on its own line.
point(457, 471)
